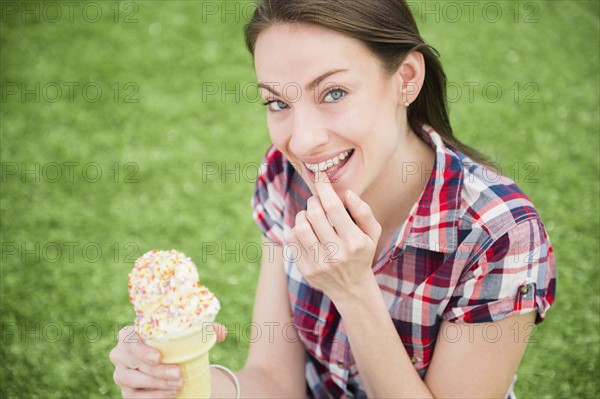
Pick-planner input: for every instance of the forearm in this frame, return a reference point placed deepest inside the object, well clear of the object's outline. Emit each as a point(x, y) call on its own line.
point(254, 383)
point(384, 366)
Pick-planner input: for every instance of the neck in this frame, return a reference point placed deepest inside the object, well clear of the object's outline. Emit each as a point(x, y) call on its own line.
point(406, 178)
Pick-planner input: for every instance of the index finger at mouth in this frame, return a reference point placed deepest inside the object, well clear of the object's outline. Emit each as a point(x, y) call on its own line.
point(333, 205)
point(325, 190)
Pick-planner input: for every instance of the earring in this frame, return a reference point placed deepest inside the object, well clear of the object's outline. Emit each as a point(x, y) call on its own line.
point(406, 103)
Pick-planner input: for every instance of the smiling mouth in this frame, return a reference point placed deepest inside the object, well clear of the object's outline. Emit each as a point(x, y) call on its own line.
point(329, 164)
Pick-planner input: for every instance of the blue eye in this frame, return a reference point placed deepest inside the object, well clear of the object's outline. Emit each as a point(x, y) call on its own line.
point(335, 95)
point(279, 104)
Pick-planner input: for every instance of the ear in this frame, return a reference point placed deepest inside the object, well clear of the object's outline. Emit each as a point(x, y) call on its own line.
point(412, 75)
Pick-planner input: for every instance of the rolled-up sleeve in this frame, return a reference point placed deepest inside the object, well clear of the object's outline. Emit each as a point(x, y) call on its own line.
point(514, 274)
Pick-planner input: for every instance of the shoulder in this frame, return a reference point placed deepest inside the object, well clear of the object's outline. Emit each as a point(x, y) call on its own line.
point(491, 201)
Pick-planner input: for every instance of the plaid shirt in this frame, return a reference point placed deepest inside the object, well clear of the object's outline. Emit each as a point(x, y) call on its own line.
point(472, 250)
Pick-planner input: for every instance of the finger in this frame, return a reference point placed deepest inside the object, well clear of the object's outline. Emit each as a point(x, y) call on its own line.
point(137, 379)
point(145, 393)
point(319, 222)
point(293, 249)
point(143, 354)
point(163, 371)
point(132, 350)
point(334, 207)
point(304, 233)
point(122, 355)
point(363, 215)
point(220, 330)
point(129, 335)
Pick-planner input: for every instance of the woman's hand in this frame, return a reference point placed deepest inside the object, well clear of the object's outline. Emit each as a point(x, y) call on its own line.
point(138, 371)
point(335, 256)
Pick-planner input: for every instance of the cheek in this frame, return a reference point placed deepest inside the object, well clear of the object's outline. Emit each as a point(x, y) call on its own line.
point(367, 117)
point(357, 126)
point(278, 133)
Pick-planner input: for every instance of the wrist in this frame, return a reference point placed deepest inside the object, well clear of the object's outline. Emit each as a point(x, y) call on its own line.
point(358, 295)
point(226, 381)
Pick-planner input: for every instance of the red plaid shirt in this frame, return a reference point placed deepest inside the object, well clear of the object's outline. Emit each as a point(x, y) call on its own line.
point(473, 249)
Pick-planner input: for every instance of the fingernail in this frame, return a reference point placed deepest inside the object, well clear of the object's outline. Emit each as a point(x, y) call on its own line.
point(172, 373)
point(176, 383)
point(152, 358)
point(171, 393)
point(352, 198)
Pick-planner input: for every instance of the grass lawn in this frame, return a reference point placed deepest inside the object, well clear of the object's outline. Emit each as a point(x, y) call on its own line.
point(132, 125)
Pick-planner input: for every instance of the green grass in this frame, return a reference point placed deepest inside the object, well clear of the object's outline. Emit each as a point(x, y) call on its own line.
point(164, 196)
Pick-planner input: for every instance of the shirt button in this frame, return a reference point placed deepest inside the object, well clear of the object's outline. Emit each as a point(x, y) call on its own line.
point(524, 289)
point(341, 364)
point(414, 359)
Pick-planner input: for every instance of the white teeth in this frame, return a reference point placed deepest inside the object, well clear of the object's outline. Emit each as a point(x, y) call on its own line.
point(322, 166)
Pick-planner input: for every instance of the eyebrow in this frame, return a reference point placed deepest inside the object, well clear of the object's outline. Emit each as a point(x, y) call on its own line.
point(309, 86)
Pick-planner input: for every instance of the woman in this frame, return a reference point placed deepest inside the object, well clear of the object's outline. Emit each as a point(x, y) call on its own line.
point(405, 265)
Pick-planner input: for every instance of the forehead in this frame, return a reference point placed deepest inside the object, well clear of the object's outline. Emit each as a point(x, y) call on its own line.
point(299, 52)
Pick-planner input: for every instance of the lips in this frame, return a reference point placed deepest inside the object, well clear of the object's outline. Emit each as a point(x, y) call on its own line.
point(332, 167)
point(324, 166)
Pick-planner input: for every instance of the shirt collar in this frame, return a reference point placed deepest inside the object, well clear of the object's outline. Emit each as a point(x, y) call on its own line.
point(433, 221)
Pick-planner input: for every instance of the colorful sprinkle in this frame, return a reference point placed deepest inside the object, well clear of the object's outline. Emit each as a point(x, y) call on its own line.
point(167, 296)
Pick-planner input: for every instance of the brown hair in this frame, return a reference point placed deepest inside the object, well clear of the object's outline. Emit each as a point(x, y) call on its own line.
point(388, 30)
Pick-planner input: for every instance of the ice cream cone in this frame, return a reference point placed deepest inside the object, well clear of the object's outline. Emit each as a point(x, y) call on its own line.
point(190, 351)
point(174, 313)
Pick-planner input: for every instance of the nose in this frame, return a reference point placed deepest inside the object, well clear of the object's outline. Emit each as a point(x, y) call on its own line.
point(308, 134)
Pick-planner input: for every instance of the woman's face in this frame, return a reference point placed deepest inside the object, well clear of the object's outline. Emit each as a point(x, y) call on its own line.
point(331, 107)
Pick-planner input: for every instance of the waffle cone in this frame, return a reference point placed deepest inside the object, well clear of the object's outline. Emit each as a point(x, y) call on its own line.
point(190, 351)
